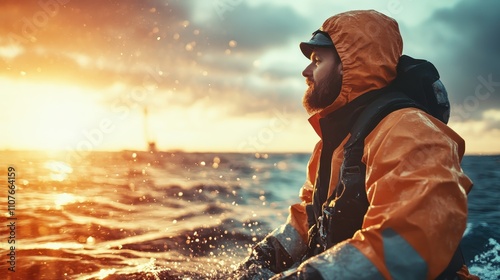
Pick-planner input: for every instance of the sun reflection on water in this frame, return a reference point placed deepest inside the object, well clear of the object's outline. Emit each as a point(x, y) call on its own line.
point(59, 170)
point(62, 199)
point(62, 245)
point(103, 273)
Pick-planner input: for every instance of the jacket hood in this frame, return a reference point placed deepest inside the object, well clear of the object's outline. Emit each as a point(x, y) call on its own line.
point(369, 45)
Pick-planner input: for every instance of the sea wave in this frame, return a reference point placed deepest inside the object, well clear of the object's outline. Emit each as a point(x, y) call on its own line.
point(133, 215)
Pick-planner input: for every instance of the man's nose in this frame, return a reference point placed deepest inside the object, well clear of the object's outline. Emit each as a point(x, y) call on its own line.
point(307, 72)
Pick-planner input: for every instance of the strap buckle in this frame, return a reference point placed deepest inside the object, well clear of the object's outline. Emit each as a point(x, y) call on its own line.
point(324, 227)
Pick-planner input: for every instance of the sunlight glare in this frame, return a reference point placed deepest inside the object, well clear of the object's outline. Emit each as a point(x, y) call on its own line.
point(10, 51)
point(64, 199)
point(59, 170)
point(53, 114)
point(90, 240)
point(103, 273)
point(62, 245)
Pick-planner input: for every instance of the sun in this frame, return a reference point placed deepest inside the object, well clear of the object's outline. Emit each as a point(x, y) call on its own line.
point(45, 116)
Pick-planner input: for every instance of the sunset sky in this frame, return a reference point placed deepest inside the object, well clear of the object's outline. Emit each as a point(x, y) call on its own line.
point(214, 75)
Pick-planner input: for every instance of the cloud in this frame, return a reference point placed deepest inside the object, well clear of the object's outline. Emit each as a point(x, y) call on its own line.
point(255, 28)
point(113, 36)
point(462, 42)
point(183, 51)
point(155, 46)
point(232, 47)
point(492, 119)
point(184, 61)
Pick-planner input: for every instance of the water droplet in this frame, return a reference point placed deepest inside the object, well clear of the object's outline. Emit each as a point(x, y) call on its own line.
point(190, 46)
point(90, 240)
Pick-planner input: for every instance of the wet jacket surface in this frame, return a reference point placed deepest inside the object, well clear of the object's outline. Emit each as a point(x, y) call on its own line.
point(416, 189)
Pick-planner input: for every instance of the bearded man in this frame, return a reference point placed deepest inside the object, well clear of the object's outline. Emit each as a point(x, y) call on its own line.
point(396, 214)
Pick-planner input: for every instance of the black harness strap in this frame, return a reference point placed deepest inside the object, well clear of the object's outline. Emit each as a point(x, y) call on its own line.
point(344, 211)
point(335, 128)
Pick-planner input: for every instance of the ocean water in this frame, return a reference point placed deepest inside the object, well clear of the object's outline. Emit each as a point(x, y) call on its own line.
point(137, 215)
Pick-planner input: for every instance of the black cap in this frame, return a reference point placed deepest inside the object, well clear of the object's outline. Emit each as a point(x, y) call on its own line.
point(319, 39)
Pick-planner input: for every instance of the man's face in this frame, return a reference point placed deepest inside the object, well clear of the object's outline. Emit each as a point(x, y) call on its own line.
point(324, 79)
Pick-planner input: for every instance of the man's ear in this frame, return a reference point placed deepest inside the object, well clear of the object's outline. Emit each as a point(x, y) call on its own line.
point(340, 66)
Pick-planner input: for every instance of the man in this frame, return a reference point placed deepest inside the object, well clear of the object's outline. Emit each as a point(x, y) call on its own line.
point(412, 182)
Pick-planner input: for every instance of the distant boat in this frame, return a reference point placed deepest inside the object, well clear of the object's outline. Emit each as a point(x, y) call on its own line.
point(149, 156)
point(152, 147)
point(147, 135)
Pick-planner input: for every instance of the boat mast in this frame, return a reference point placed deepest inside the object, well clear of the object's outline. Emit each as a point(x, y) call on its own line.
point(147, 136)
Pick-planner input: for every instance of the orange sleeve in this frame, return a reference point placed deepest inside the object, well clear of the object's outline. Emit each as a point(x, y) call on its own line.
point(416, 189)
point(298, 216)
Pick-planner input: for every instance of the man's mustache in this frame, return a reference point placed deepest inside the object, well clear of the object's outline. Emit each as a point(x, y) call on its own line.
point(309, 82)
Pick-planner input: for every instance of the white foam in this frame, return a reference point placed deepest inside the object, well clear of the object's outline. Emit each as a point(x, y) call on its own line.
point(486, 265)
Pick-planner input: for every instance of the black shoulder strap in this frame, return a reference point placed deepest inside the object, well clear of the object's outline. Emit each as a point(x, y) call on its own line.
point(347, 213)
point(375, 112)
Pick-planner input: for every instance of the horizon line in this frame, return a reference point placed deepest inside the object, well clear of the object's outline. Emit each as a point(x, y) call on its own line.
point(58, 151)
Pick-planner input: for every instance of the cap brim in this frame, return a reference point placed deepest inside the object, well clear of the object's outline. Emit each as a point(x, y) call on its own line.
point(307, 48)
point(318, 40)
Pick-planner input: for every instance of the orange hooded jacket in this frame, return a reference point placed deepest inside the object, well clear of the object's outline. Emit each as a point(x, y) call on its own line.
point(415, 186)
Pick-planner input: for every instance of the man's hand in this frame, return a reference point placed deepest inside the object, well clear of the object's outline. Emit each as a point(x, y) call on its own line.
point(257, 265)
point(267, 258)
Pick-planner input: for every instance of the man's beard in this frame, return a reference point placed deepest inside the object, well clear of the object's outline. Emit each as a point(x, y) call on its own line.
point(319, 96)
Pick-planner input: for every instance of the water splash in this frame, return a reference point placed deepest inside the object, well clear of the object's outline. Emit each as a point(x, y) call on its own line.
point(150, 268)
point(487, 264)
